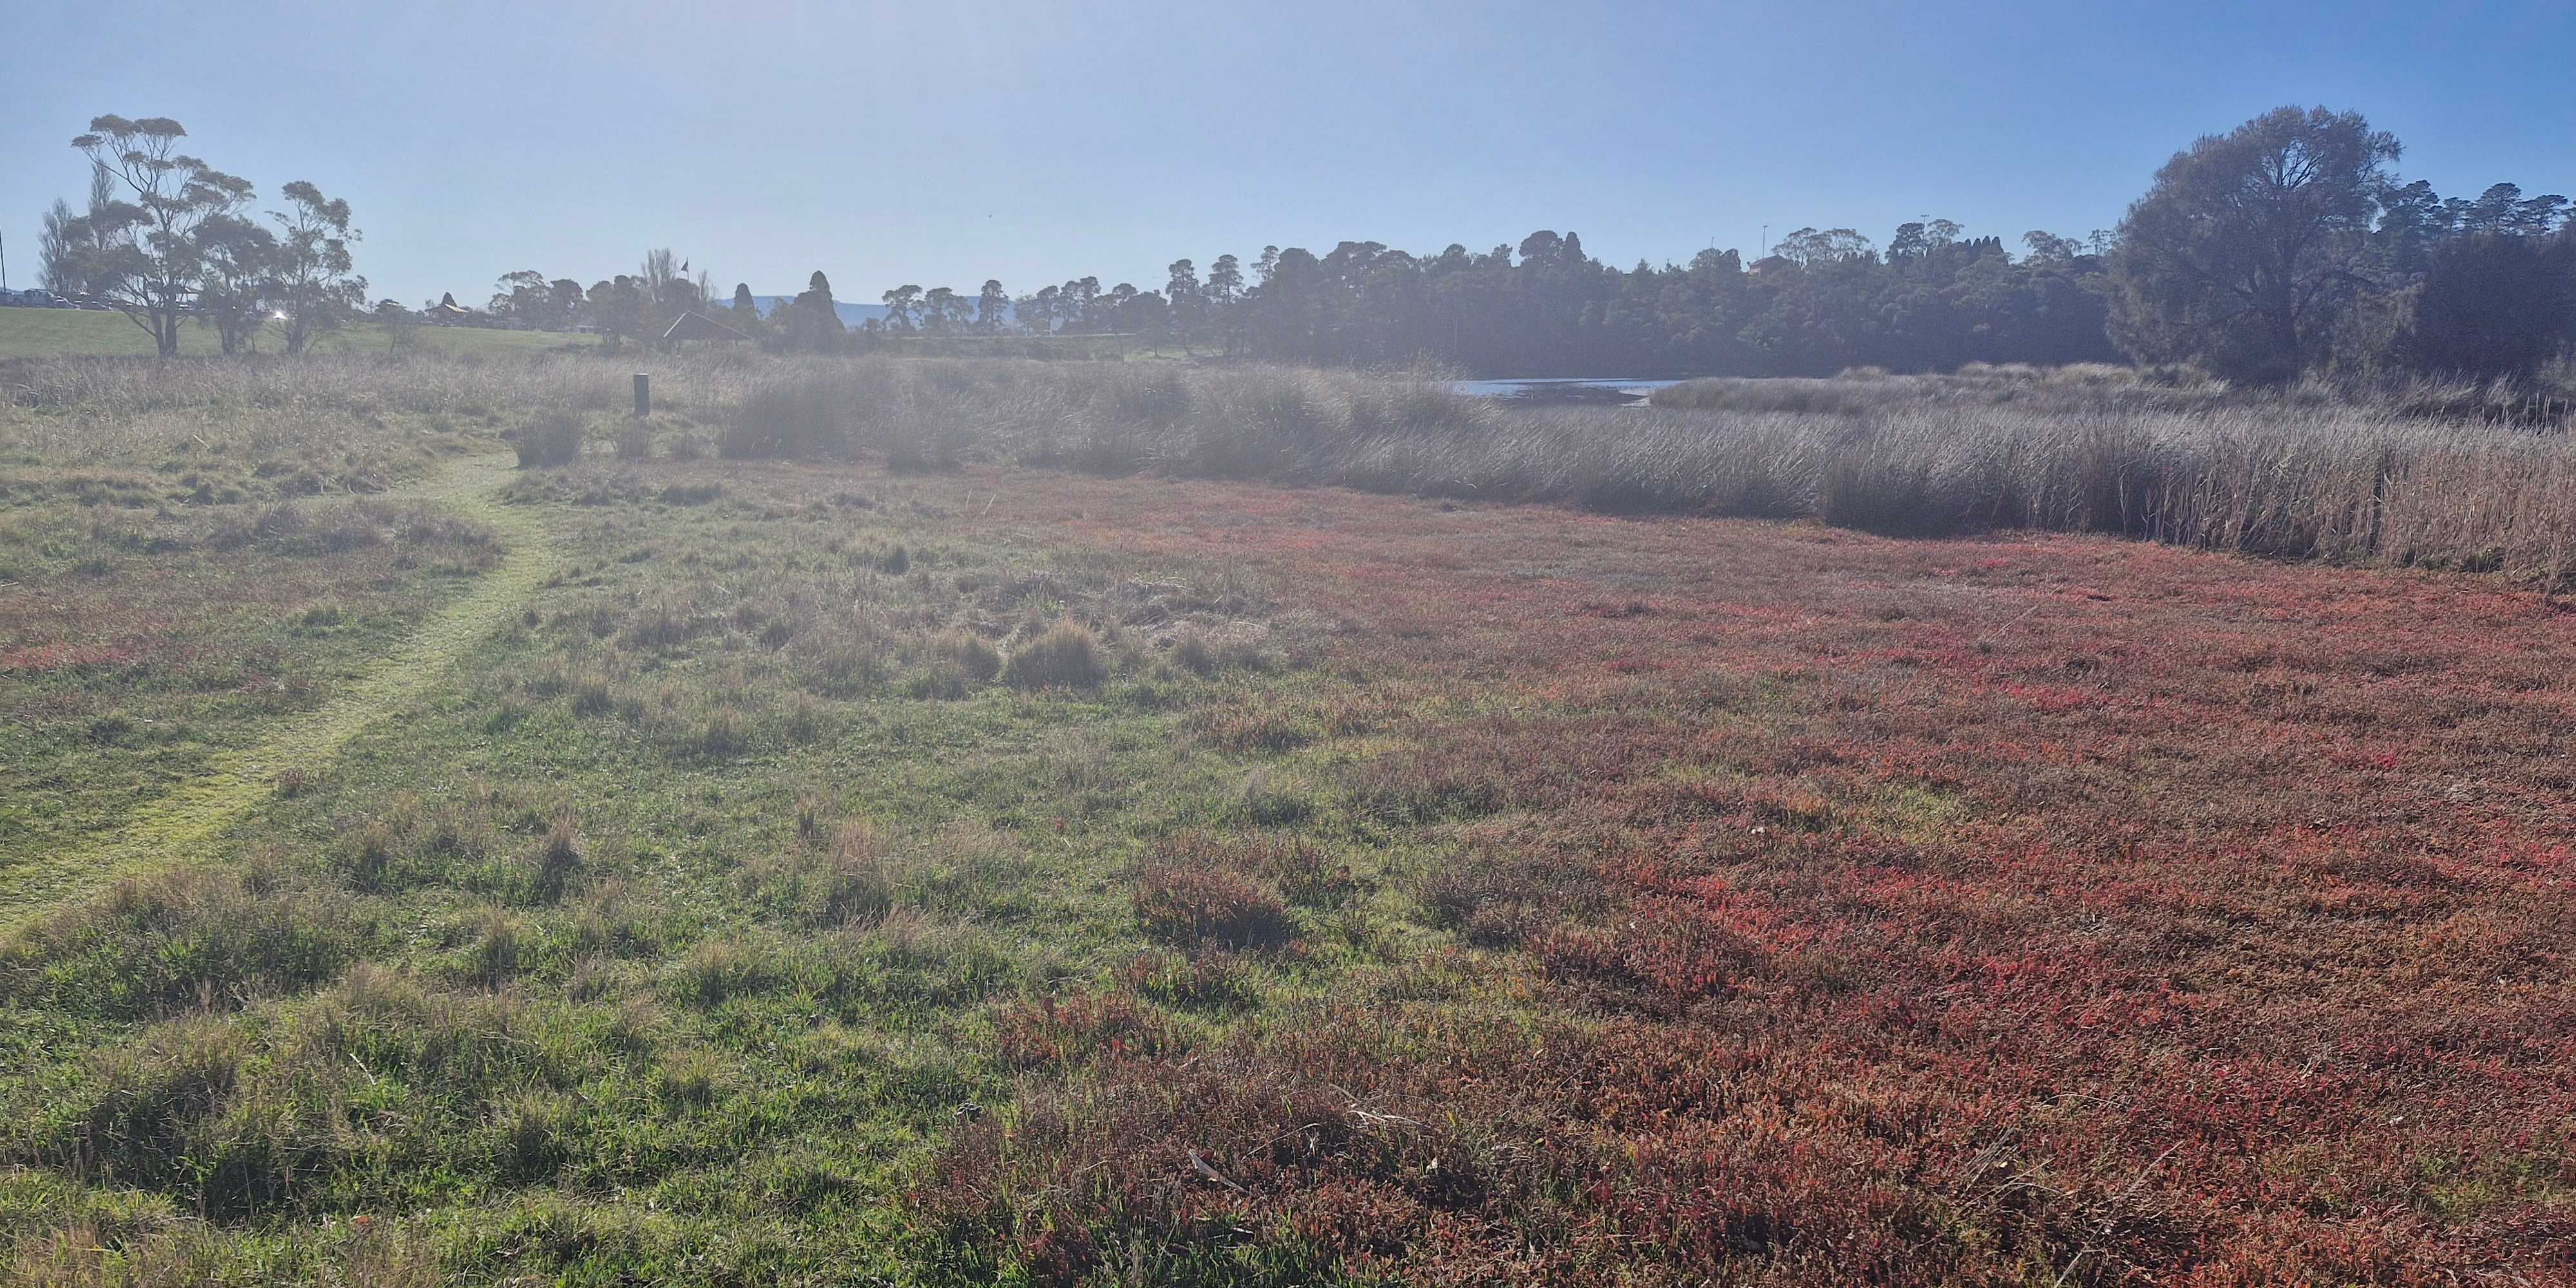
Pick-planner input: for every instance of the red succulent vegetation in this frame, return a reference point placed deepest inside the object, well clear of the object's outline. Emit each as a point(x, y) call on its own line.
point(2043, 909)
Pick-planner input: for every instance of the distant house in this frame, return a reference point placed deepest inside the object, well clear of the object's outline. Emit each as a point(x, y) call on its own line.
point(447, 312)
point(694, 325)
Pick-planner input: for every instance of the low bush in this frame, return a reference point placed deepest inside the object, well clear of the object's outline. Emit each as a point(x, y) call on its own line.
point(554, 438)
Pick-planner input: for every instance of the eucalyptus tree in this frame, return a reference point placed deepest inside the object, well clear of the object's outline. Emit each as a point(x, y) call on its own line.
point(940, 307)
point(314, 284)
point(237, 263)
point(143, 250)
point(902, 306)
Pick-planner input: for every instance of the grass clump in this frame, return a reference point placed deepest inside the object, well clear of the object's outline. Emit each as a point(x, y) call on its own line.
point(179, 939)
point(979, 660)
point(553, 438)
point(1192, 906)
point(1066, 657)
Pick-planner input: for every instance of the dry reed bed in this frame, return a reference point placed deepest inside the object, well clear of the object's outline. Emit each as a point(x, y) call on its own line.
point(2291, 477)
point(2093, 451)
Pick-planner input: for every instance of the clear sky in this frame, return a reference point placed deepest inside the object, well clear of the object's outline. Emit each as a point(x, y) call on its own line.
point(944, 143)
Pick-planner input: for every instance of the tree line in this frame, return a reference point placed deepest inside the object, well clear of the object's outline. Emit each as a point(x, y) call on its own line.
point(2285, 246)
point(166, 239)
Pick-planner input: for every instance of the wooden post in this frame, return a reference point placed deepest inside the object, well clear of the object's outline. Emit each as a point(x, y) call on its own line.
point(643, 395)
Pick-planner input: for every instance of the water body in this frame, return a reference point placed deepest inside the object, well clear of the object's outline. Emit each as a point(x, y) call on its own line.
point(1596, 391)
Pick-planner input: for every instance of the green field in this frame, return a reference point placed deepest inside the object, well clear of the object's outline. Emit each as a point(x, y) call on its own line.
point(44, 333)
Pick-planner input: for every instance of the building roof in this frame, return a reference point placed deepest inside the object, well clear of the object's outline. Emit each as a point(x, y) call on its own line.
point(694, 325)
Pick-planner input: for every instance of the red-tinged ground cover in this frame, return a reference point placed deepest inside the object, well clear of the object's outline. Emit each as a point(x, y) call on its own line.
point(1805, 906)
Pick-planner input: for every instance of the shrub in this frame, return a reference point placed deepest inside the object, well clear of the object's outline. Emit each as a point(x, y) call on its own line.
point(1065, 657)
point(554, 438)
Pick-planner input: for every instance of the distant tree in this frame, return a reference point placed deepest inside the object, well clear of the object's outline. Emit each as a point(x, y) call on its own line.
point(616, 309)
point(992, 307)
point(397, 321)
point(1077, 304)
point(1187, 299)
point(1224, 293)
point(314, 283)
point(903, 308)
point(2245, 252)
point(68, 238)
point(745, 308)
point(941, 309)
point(57, 258)
point(2497, 210)
point(812, 321)
point(1809, 248)
point(143, 252)
point(2493, 304)
point(1038, 312)
point(2048, 248)
point(2412, 221)
point(523, 296)
point(236, 268)
point(1225, 281)
point(1151, 316)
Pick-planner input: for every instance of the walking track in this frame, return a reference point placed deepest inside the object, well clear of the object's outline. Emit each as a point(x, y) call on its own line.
point(190, 816)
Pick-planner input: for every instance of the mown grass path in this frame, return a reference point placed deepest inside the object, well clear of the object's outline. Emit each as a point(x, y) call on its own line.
point(192, 815)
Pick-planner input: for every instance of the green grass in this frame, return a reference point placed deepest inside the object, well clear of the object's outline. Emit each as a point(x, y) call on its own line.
point(832, 783)
point(38, 333)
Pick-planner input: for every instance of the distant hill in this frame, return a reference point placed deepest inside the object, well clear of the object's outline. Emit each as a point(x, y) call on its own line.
point(852, 313)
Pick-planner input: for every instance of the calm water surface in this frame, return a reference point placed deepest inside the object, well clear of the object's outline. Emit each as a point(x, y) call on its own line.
point(1610, 391)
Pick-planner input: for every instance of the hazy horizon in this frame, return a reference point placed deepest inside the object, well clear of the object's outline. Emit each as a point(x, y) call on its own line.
point(891, 145)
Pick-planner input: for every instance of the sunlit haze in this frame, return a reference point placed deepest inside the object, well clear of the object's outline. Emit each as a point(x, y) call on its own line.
point(947, 144)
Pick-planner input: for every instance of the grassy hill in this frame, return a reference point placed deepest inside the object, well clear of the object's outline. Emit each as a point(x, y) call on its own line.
point(37, 333)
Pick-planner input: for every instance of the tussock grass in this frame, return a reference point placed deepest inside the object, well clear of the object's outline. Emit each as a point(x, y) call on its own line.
point(1066, 657)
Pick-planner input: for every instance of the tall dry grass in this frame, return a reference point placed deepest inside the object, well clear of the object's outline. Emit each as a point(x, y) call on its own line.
point(2307, 474)
point(92, 410)
point(2102, 451)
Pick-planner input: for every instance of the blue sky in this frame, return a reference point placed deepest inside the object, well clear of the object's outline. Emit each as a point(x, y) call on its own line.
point(941, 144)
